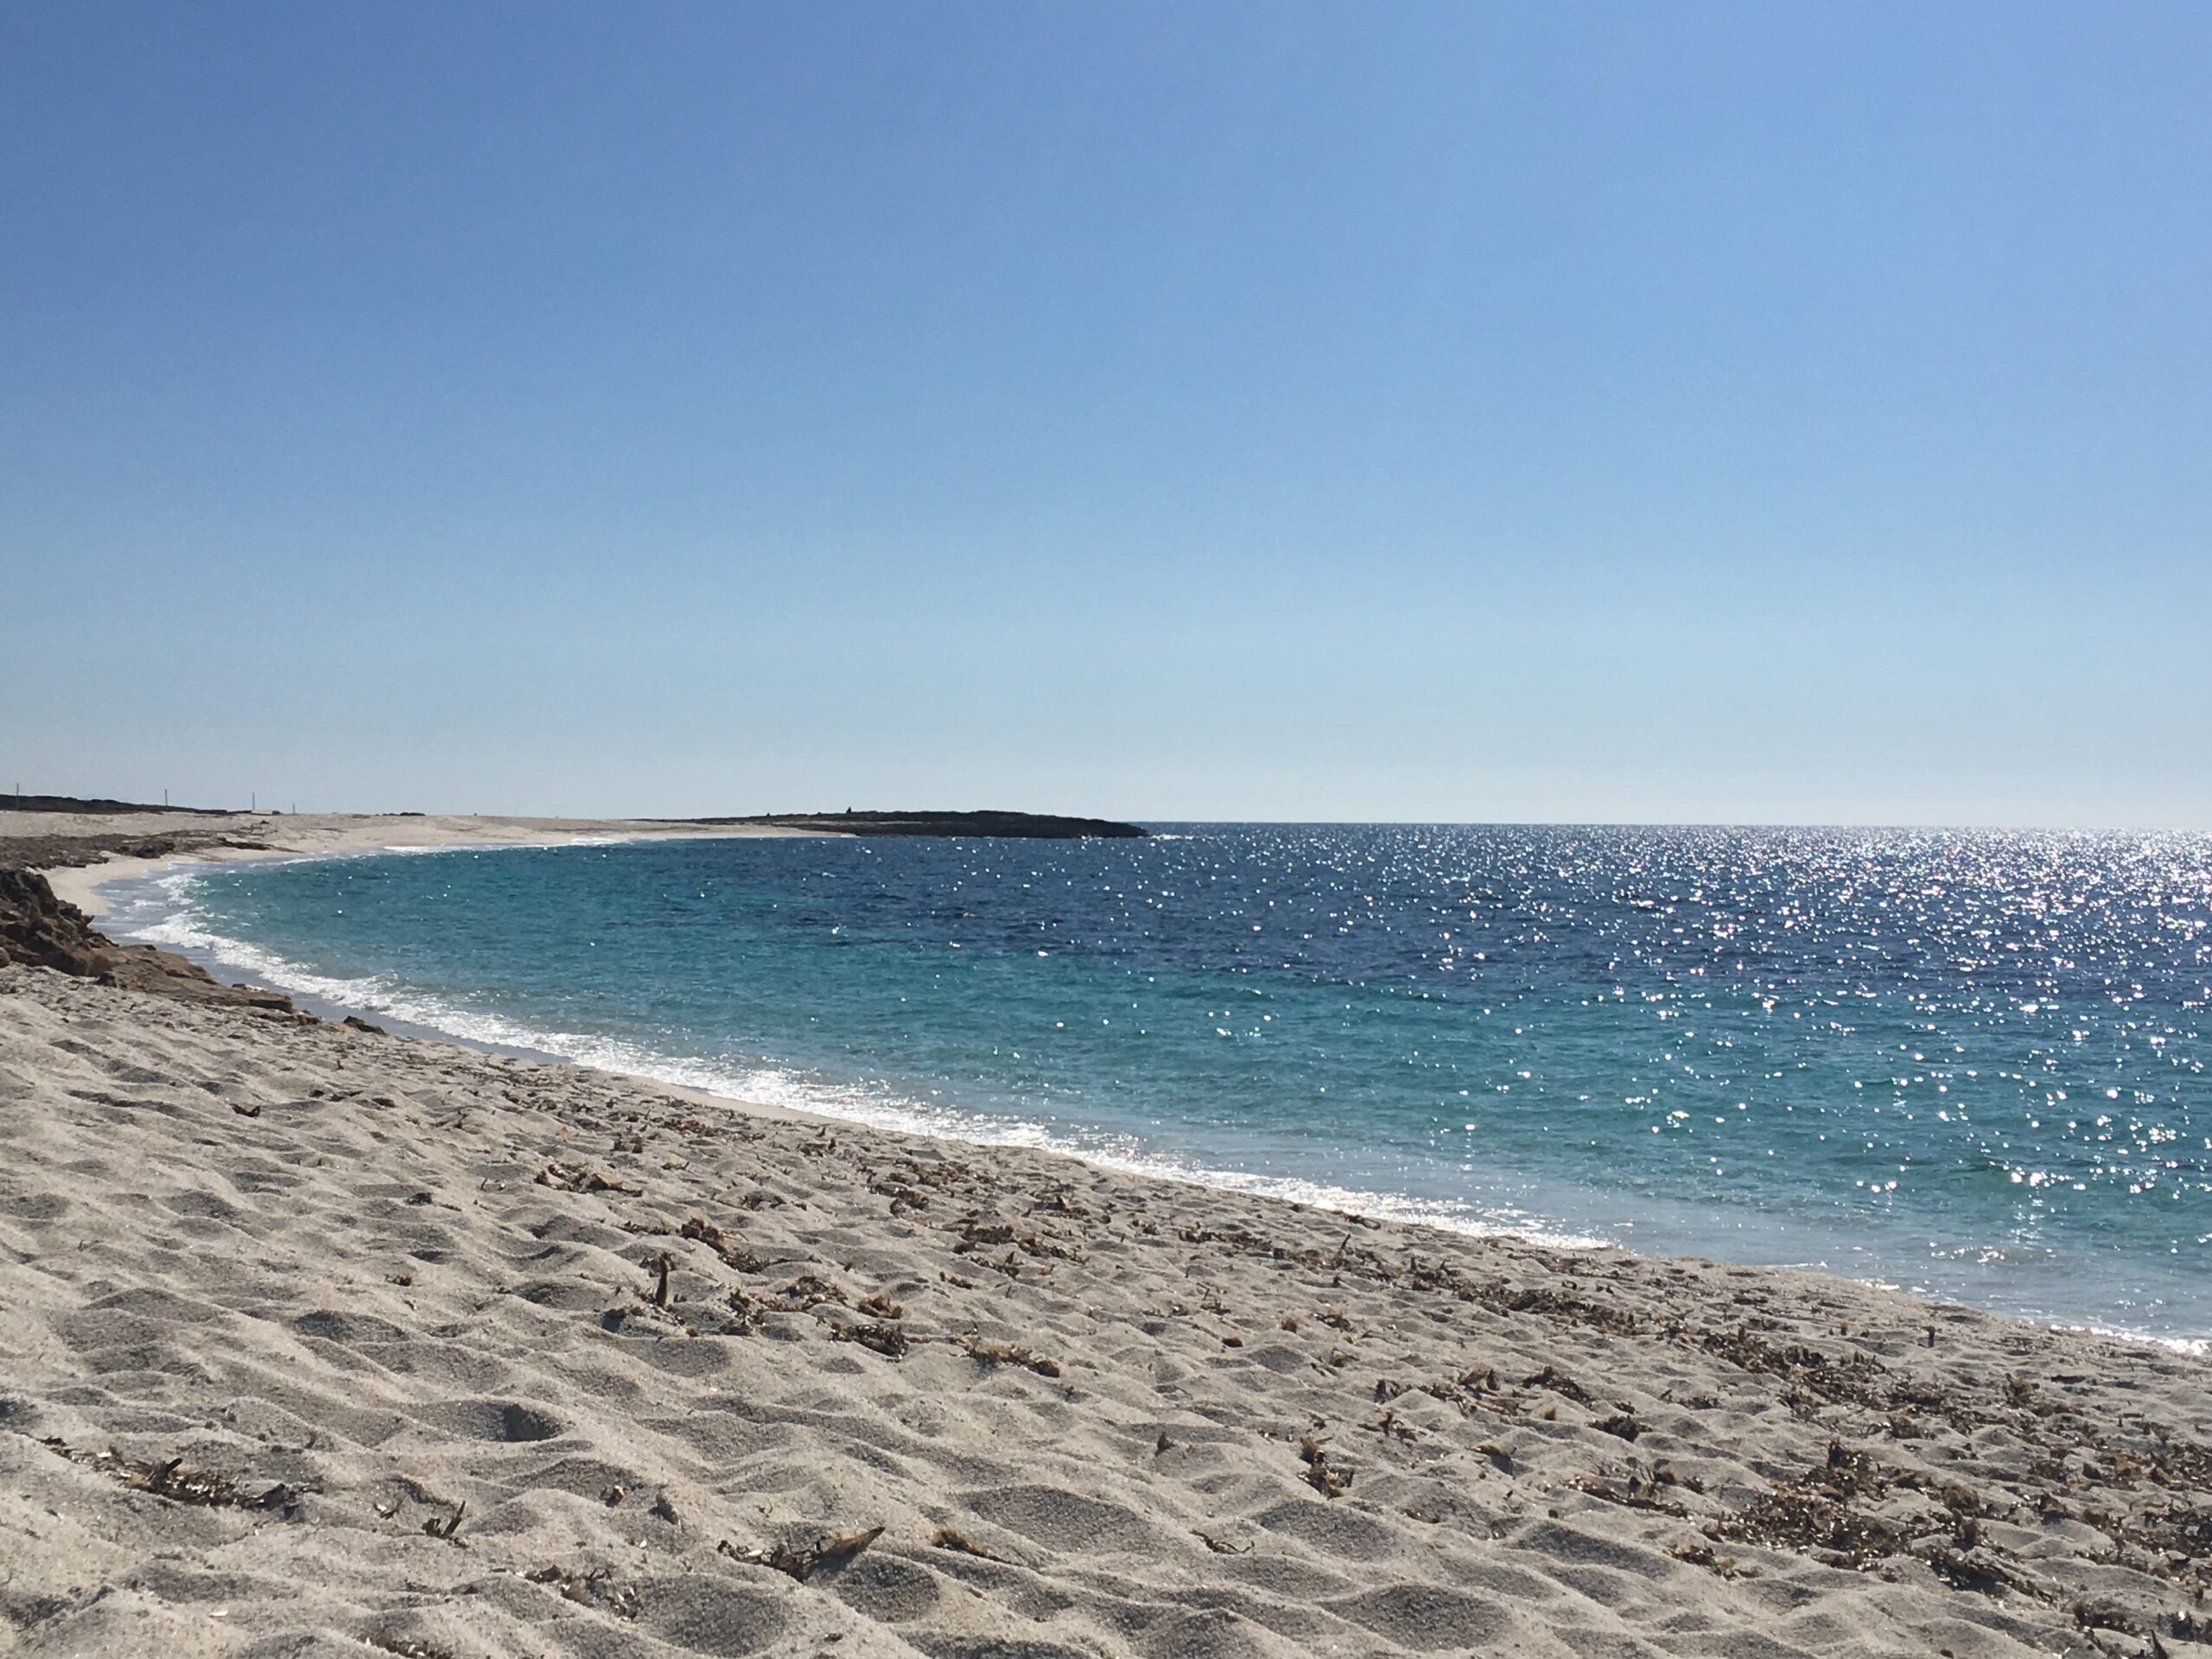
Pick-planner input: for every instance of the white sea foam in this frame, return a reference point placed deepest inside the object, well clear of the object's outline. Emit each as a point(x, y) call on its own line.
point(2188, 1347)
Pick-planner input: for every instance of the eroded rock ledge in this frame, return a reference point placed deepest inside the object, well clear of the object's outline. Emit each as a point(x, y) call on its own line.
point(40, 930)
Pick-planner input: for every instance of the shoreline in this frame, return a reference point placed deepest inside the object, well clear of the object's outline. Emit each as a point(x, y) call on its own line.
point(223, 838)
point(977, 1131)
point(313, 993)
point(492, 1356)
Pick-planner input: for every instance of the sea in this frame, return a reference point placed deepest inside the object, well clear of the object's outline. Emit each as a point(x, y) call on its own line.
point(1970, 1065)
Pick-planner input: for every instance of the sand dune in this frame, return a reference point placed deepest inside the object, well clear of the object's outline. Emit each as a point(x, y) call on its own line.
point(316, 1341)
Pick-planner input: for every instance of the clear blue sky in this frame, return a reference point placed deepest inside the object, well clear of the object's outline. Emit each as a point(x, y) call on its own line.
point(1661, 412)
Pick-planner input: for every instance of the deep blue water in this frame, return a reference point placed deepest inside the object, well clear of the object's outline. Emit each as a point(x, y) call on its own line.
point(1969, 1064)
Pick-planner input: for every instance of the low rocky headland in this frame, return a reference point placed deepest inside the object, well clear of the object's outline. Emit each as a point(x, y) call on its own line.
point(1030, 826)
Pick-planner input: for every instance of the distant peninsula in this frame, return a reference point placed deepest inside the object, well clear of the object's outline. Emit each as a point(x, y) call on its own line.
point(148, 821)
point(1035, 826)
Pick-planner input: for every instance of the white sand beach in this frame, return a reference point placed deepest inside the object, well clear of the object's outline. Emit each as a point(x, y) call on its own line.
point(314, 1340)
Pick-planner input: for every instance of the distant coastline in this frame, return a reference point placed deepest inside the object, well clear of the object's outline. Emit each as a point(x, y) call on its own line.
point(1036, 826)
point(1043, 826)
point(82, 843)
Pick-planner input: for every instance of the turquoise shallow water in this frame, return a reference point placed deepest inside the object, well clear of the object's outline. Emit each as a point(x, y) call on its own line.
point(1972, 1064)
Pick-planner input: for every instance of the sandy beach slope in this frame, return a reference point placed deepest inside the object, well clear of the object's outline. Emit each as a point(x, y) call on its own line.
point(318, 1341)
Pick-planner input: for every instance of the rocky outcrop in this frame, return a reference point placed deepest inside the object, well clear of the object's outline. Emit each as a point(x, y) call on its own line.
point(63, 852)
point(82, 805)
point(1035, 826)
point(43, 932)
point(39, 929)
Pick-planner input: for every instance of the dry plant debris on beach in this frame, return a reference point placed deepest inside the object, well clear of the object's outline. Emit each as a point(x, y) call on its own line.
point(316, 1341)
